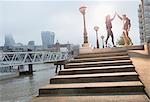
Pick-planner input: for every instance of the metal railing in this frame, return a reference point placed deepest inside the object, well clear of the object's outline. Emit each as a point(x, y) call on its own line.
point(24, 58)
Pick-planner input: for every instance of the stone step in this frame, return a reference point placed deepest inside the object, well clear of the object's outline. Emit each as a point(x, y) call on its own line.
point(135, 47)
point(134, 87)
point(96, 59)
point(94, 98)
point(99, 77)
point(115, 49)
point(90, 70)
point(92, 55)
point(98, 64)
point(105, 50)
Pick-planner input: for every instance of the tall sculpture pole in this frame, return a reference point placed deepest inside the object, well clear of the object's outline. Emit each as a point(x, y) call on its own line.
point(82, 9)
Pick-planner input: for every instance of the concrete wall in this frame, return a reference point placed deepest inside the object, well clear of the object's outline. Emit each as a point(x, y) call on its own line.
point(147, 48)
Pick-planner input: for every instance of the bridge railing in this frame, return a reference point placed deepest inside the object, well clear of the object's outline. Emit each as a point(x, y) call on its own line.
point(24, 58)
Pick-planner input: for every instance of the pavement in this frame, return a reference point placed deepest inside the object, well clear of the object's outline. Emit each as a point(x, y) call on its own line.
point(141, 62)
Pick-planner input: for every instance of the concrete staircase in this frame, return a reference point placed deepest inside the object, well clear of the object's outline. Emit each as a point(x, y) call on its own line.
point(110, 73)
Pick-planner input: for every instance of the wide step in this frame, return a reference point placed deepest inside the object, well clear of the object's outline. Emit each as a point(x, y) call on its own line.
point(92, 70)
point(98, 64)
point(113, 58)
point(92, 55)
point(87, 78)
point(134, 87)
point(94, 98)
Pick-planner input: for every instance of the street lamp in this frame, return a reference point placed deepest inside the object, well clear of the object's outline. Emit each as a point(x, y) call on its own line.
point(102, 37)
point(82, 9)
point(96, 28)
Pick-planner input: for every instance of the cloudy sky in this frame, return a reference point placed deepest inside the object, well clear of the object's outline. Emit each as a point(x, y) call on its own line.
point(25, 19)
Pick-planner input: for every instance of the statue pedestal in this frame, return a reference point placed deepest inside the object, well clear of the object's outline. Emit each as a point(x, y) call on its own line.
point(85, 48)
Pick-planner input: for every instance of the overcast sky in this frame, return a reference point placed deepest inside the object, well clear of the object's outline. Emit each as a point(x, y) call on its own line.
point(26, 19)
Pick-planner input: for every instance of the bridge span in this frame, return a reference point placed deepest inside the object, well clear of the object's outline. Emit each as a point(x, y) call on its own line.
point(13, 60)
point(26, 58)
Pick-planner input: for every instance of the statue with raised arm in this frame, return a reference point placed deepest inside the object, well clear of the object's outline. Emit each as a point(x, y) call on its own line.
point(108, 23)
point(126, 29)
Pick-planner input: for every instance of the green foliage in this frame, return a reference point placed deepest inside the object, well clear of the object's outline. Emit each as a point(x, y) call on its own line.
point(120, 41)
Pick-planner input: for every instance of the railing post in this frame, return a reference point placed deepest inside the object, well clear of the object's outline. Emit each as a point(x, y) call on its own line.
point(30, 66)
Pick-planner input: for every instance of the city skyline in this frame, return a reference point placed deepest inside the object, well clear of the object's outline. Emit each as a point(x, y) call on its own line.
point(25, 20)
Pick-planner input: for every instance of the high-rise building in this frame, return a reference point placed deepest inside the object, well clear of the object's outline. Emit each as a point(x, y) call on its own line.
point(31, 43)
point(9, 41)
point(47, 38)
point(144, 21)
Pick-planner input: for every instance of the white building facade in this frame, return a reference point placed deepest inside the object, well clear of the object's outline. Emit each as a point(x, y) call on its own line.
point(144, 21)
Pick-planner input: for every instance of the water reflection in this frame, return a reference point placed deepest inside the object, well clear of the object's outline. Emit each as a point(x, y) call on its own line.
point(22, 89)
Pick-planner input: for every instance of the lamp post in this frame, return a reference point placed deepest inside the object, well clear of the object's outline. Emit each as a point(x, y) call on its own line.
point(82, 9)
point(102, 37)
point(96, 28)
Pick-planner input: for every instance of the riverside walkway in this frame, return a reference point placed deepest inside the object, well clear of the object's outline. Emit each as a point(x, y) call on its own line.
point(106, 75)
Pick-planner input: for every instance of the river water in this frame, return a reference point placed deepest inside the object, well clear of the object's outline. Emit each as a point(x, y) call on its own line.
point(24, 88)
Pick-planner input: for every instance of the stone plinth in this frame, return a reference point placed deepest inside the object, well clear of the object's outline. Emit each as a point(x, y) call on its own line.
point(85, 48)
point(86, 45)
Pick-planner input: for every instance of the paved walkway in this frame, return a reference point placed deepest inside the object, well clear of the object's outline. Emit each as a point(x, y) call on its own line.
point(141, 62)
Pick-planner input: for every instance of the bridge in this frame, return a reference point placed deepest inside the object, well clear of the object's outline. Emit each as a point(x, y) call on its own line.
point(25, 58)
point(10, 59)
